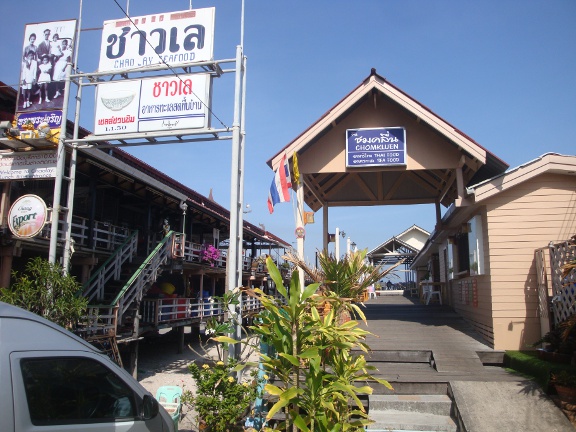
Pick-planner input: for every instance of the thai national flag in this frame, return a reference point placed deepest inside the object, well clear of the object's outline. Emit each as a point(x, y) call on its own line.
point(280, 188)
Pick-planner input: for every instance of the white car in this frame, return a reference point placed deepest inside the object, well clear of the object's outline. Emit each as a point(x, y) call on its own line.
point(52, 380)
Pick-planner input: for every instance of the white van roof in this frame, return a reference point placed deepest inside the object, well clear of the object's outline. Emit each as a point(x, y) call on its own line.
point(11, 312)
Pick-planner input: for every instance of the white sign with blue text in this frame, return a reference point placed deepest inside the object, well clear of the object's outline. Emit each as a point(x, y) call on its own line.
point(376, 147)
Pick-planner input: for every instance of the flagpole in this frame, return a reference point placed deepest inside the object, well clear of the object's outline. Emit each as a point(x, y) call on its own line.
point(300, 223)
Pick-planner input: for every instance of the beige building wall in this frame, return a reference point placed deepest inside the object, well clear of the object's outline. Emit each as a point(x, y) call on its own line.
point(471, 297)
point(520, 220)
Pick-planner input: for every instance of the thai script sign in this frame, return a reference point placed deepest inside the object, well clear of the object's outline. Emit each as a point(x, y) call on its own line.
point(27, 216)
point(52, 118)
point(375, 147)
point(172, 38)
point(29, 165)
point(46, 55)
point(153, 104)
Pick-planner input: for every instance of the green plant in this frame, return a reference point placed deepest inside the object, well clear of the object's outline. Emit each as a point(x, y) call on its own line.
point(222, 397)
point(314, 367)
point(528, 363)
point(220, 400)
point(562, 338)
point(343, 281)
point(43, 289)
point(563, 378)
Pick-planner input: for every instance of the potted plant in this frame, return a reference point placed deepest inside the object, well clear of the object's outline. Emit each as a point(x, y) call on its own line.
point(565, 384)
point(226, 388)
point(343, 282)
point(210, 254)
point(559, 344)
point(221, 401)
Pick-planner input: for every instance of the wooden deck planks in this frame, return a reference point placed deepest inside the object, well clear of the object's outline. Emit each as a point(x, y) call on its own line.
point(403, 324)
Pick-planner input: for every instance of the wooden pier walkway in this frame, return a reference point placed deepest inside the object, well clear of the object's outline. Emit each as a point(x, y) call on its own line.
point(415, 343)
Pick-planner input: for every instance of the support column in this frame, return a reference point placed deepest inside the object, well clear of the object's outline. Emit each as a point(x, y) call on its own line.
point(325, 227)
point(132, 365)
point(180, 339)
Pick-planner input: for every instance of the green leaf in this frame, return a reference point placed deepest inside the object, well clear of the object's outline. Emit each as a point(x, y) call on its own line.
point(309, 290)
point(301, 423)
point(276, 277)
point(290, 358)
point(310, 353)
point(275, 408)
point(225, 339)
point(273, 390)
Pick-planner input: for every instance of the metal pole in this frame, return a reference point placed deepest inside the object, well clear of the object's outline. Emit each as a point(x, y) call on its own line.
point(233, 263)
point(300, 223)
point(67, 253)
point(61, 154)
point(241, 171)
point(337, 245)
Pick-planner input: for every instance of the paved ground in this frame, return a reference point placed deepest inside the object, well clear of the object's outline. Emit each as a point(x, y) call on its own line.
point(488, 398)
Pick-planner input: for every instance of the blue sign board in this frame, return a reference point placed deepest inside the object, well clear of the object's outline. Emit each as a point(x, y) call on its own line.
point(53, 118)
point(376, 147)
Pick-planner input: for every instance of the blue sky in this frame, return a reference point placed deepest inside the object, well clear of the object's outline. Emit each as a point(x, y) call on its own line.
point(503, 72)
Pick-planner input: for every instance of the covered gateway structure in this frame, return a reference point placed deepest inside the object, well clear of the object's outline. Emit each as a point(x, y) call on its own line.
point(440, 160)
point(481, 252)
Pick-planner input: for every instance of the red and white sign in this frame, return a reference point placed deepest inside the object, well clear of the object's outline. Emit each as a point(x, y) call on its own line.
point(173, 38)
point(153, 104)
point(27, 216)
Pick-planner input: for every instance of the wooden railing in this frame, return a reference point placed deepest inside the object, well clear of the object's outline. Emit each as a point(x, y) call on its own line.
point(94, 289)
point(165, 310)
point(146, 274)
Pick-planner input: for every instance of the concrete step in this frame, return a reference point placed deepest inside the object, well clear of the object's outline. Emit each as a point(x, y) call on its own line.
point(425, 404)
point(398, 356)
point(393, 420)
point(410, 388)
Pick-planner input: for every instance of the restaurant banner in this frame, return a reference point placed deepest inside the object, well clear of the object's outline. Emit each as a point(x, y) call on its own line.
point(173, 38)
point(153, 104)
point(376, 147)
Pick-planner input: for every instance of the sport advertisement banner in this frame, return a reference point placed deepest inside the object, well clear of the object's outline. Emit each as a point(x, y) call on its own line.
point(174, 38)
point(47, 51)
point(153, 104)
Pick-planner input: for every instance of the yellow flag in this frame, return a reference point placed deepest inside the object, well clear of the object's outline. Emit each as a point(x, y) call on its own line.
point(295, 168)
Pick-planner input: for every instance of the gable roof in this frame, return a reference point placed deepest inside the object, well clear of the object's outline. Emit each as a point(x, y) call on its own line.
point(548, 162)
point(396, 248)
point(328, 182)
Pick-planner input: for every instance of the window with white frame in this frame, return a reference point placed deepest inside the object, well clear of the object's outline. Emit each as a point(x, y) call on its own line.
point(465, 250)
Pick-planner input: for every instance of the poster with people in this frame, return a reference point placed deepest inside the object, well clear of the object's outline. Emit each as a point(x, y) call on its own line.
point(47, 51)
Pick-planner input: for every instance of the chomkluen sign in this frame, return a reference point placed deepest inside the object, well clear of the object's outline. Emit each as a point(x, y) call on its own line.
point(375, 147)
point(173, 38)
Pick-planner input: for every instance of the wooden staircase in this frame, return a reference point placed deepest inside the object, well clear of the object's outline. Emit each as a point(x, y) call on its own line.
point(115, 291)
